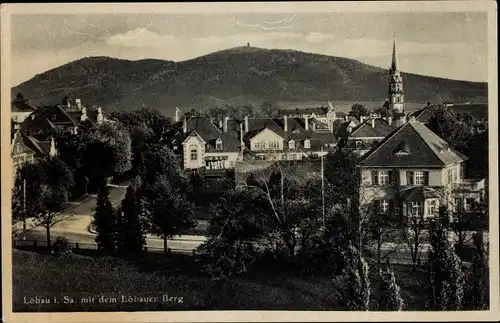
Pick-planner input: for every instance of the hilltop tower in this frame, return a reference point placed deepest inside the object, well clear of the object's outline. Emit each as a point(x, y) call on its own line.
point(396, 94)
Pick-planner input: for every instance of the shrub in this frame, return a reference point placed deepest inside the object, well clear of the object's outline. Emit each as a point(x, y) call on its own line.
point(61, 247)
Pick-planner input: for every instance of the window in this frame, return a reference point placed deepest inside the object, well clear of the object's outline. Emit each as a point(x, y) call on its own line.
point(194, 153)
point(455, 175)
point(358, 144)
point(307, 144)
point(218, 144)
point(53, 117)
point(450, 175)
point(383, 177)
point(416, 207)
point(432, 208)
point(384, 206)
point(417, 178)
point(468, 204)
point(291, 144)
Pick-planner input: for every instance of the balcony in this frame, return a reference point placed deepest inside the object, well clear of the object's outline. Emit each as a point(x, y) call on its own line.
point(469, 185)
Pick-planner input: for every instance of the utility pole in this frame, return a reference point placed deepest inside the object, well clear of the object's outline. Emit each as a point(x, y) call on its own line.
point(323, 187)
point(24, 208)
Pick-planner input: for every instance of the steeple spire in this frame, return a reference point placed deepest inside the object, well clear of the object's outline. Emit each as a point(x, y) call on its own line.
point(394, 65)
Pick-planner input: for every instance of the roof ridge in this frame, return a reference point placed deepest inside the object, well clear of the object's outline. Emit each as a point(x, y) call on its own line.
point(428, 145)
point(381, 143)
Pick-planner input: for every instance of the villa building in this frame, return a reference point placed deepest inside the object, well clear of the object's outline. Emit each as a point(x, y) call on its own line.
point(415, 171)
point(67, 116)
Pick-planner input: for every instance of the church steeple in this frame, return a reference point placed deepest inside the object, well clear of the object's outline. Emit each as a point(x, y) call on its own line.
point(396, 93)
point(394, 65)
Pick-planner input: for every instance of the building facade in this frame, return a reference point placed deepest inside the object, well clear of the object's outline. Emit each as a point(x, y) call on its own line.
point(413, 171)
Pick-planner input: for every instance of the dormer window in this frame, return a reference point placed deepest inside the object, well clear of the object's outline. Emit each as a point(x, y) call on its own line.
point(307, 144)
point(218, 144)
point(296, 130)
point(53, 117)
point(291, 144)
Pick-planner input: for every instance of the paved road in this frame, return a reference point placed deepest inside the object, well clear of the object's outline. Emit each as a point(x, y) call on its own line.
point(76, 227)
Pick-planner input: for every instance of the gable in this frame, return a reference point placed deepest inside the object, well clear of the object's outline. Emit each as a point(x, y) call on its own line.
point(266, 135)
point(412, 145)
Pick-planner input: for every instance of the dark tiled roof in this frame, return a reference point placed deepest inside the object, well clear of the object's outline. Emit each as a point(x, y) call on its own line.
point(419, 193)
point(41, 148)
point(208, 131)
point(303, 111)
point(412, 145)
point(381, 129)
point(22, 106)
point(478, 111)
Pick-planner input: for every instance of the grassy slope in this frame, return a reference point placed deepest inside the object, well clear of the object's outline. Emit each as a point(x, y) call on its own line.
point(38, 275)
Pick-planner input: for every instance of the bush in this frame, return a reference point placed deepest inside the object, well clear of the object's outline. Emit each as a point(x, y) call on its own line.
point(61, 247)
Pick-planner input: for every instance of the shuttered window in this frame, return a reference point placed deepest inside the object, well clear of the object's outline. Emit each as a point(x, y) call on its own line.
point(409, 178)
point(374, 177)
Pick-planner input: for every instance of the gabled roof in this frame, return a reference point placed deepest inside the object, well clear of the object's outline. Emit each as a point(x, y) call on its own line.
point(381, 130)
point(193, 134)
point(21, 106)
point(41, 148)
point(425, 149)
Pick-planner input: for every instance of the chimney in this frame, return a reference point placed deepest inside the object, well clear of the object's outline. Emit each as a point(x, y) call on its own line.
point(306, 122)
point(314, 126)
point(242, 145)
point(78, 103)
point(346, 118)
point(389, 120)
point(220, 124)
point(100, 117)
point(184, 125)
point(285, 122)
point(177, 114)
point(84, 114)
point(52, 151)
point(373, 122)
point(246, 124)
point(361, 119)
point(68, 104)
point(225, 124)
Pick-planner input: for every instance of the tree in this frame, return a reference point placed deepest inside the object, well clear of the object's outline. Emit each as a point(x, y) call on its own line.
point(478, 277)
point(158, 160)
point(170, 211)
point(446, 280)
point(446, 125)
point(283, 204)
point(131, 237)
point(234, 229)
point(390, 294)
point(51, 199)
point(356, 293)
point(105, 221)
point(359, 110)
point(414, 235)
point(341, 173)
point(143, 117)
point(269, 108)
point(107, 151)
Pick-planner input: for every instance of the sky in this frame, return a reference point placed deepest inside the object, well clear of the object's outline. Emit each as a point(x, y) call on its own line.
point(450, 45)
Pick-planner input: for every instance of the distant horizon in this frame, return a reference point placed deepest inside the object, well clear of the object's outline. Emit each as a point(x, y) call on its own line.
point(450, 45)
